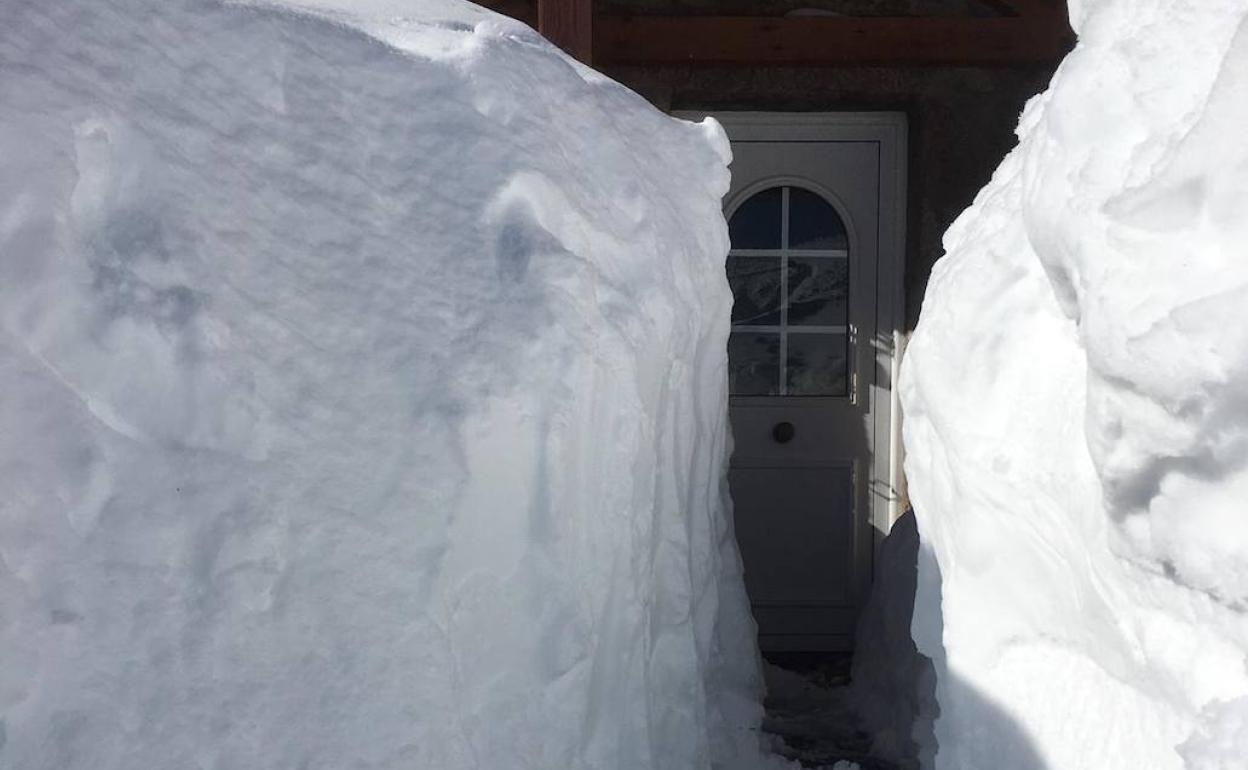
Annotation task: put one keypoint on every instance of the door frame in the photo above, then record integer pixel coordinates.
(890, 131)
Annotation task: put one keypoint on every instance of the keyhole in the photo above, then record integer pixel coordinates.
(783, 432)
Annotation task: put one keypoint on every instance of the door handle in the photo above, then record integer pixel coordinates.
(783, 432)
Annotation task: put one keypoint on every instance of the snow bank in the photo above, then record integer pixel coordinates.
(363, 399)
(1076, 414)
(894, 686)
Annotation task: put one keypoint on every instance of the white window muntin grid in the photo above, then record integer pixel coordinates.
(784, 252)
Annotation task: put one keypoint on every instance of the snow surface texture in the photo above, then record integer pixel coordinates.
(894, 686)
(363, 385)
(1076, 400)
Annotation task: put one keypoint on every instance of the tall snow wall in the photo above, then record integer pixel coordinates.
(1076, 406)
(362, 399)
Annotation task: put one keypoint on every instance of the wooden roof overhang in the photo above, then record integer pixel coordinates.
(1026, 32)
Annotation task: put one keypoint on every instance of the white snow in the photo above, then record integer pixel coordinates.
(363, 403)
(1076, 422)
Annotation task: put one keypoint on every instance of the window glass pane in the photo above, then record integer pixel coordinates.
(817, 365)
(756, 223)
(818, 291)
(813, 223)
(753, 364)
(755, 283)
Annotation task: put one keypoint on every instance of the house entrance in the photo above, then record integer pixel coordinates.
(815, 268)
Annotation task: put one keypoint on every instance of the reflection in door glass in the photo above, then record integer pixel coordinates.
(790, 286)
(813, 223)
(755, 283)
(818, 292)
(816, 365)
(756, 223)
(753, 364)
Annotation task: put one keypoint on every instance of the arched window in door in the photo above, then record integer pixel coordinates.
(789, 271)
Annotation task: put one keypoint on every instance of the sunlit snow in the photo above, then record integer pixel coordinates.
(1076, 422)
(362, 385)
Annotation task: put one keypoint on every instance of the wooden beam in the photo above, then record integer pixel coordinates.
(569, 25)
(1033, 9)
(1036, 31)
(521, 10)
(831, 41)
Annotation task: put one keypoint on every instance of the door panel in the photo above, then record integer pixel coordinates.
(804, 220)
(796, 538)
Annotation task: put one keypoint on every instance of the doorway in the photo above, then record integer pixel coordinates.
(816, 223)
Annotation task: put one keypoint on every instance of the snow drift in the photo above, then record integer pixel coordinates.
(363, 399)
(1076, 414)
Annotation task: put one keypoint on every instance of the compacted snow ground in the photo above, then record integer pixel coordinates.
(812, 714)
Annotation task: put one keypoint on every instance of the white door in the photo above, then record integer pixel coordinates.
(811, 473)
